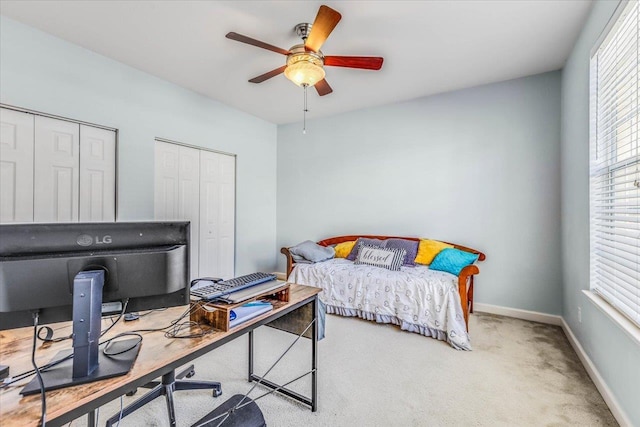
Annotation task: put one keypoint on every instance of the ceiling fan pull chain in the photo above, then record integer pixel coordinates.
(304, 114)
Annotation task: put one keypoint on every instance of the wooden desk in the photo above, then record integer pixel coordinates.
(158, 356)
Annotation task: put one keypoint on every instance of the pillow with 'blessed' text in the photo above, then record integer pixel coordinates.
(363, 241)
(389, 258)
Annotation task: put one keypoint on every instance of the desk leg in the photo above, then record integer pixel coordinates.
(314, 358)
(250, 378)
(91, 419)
(313, 401)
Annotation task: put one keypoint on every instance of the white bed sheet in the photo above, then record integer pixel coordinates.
(415, 298)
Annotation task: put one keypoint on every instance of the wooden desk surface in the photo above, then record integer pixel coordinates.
(157, 355)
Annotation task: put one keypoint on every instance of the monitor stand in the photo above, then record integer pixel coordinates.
(88, 364)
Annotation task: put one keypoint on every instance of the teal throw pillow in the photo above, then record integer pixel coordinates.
(452, 260)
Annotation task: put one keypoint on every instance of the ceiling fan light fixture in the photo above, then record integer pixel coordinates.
(305, 62)
(304, 69)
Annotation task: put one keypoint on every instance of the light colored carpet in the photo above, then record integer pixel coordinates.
(519, 373)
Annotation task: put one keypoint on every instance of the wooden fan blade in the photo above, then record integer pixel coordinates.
(326, 21)
(364, 62)
(253, 42)
(323, 88)
(267, 76)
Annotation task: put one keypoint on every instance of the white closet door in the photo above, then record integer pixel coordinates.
(16, 166)
(166, 181)
(217, 214)
(177, 171)
(56, 163)
(97, 174)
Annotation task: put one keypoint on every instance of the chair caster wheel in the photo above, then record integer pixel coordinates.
(132, 392)
(217, 393)
(191, 373)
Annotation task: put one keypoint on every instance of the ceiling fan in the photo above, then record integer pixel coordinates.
(305, 61)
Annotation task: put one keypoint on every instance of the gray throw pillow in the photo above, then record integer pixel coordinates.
(363, 241)
(312, 251)
(410, 246)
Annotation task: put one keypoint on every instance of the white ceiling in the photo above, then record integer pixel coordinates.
(428, 46)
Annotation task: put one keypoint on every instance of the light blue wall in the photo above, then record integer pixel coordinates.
(479, 167)
(44, 73)
(614, 354)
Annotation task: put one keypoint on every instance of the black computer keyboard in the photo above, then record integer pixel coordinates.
(225, 287)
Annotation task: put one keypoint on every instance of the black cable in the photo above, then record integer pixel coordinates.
(111, 340)
(49, 332)
(151, 311)
(176, 327)
(27, 374)
(173, 323)
(50, 365)
(48, 338)
(49, 335)
(43, 417)
(124, 307)
(15, 378)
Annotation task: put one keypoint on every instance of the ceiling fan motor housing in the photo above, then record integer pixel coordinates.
(300, 53)
(303, 30)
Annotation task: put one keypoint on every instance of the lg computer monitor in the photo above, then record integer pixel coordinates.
(138, 265)
(146, 263)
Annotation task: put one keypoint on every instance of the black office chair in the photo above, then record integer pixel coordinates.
(170, 382)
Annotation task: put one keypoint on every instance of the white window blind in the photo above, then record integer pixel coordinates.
(615, 166)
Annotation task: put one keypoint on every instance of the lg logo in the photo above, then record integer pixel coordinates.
(86, 240)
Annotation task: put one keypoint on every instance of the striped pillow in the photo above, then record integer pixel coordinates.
(389, 258)
(363, 241)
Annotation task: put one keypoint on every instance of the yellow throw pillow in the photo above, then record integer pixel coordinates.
(343, 249)
(428, 249)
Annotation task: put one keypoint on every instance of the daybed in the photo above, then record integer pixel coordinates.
(418, 299)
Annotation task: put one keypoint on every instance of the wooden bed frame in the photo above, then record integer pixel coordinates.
(465, 278)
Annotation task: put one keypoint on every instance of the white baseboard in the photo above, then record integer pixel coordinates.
(533, 316)
(550, 319)
(597, 379)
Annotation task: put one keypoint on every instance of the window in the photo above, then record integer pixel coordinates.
(615, 165)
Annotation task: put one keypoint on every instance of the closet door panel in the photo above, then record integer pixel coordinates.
(16, 166)
(166, 181)
(97, 174)
(56, 162)
(227, 213)
(209, 216)
(217, 214)
(189, 200)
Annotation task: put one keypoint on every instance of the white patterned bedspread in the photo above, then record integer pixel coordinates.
(415, 298)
